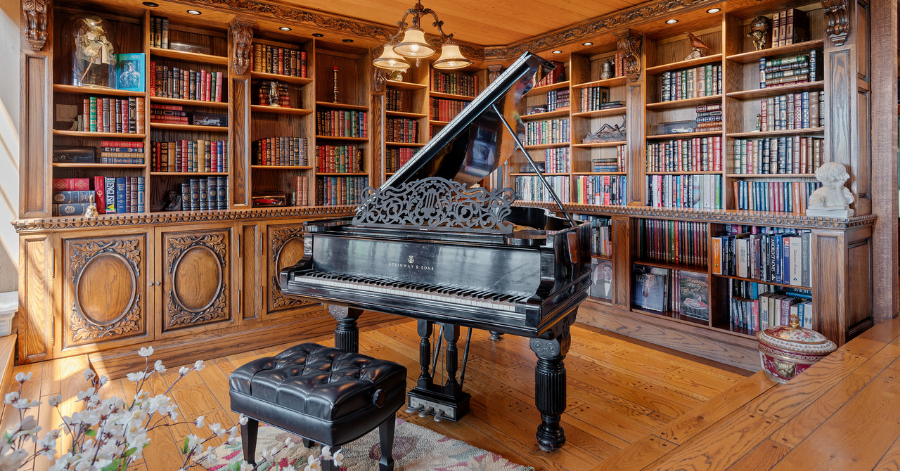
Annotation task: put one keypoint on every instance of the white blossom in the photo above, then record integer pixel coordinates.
(22, 377)
(54, 400)
(89, 374)
(158, 366)
(13, 459)
(183, 371)
(25, 403)
(312, 464)
(243, 419)
(145, 351)
(217, 429)
(199, 422)
(142, 396)
(338, 458)
(246, 467)
(198, 365)
(11, 397)
(192, 442)
(103, 379)
(326, 452)
(135, 377)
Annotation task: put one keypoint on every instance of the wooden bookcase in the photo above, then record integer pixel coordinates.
(413, 104)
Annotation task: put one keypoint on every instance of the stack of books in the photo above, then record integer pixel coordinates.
(758, 306)
(332, 191)
(168, 114)
(551, 131)
(403, 130)
(280, 151)
(338, 159)
(554, 76)
(606, 190)
(774, 196)
(284, 96)
(709, 117)
(778, 155)
(789, 70)
(454, 83)
(698, 154)
(601, 233)
(609, 163)
(393, 99)
(189, 156)
(204, 194)
(676, 242)
(396, 157)
(684, 191)
(557, 160)
(702, 81)
(789, 27)
(120, 115)
(792, 111)
(531, 189)
(122, 152)
(186, 84)
(342, 123)
(445, 110)
(278, 60)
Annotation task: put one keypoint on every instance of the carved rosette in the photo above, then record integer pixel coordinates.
(837, 21)
(178, 313)
(242, 44)
(126, 252)
(36, 22)
(280, 237)
(629, 45)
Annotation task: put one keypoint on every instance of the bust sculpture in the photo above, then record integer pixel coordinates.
(833, 199)
(173, 201)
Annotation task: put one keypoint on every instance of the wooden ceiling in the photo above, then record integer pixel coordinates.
(486, 23)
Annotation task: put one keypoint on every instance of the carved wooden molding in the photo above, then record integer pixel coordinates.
(242, 44)
(280, 237)
(180, 315)
(837, 21)
(629, 45)
(36, 22)
(494, 71)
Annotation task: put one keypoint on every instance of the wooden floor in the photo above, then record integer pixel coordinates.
(619, 392)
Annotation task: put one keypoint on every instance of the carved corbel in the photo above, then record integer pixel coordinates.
(242, 44)
(379, 81)
(837, 21)
(629, 45)
(36, 22)
(494, 71)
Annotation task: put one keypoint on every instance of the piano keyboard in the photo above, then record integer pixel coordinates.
(453, 295)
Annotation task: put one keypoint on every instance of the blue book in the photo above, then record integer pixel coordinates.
(110, 192)
(204, 194)
(786, 260)
(185, 196)
(130, 72)
(222, 193)
(121, 195)
(212, 189)
(779, 250)
(140, 194)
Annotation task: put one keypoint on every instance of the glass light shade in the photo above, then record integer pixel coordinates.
(390, 60)
(414, 44)
(451, 58)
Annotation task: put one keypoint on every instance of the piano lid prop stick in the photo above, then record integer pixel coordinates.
(462, 374)
(533, 165)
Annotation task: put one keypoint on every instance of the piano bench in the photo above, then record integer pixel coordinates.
(324, 395)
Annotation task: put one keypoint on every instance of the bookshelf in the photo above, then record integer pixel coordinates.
(407, 112)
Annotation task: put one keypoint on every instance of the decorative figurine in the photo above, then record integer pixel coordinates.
(607, 133)
(759, 121)
(395, 75)
(94, 63)
(91, 211)
(833, 199)
(609, 70)
(335, 84)
(759, 29)
(273, 95)
(697, 44)
(173, 201)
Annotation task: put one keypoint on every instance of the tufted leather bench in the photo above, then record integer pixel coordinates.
(325, 395)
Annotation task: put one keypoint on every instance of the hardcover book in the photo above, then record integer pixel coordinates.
(130, 72)
(693, 295)
(650, 287)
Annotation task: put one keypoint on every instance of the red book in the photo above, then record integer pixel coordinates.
(100, 194)
(152, 78)
(219, 86)
(71, 184)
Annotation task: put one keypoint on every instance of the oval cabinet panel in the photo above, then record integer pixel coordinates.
(197, 278)
(105, 293)
(285, 243)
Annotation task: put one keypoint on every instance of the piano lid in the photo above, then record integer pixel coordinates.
(475, 143)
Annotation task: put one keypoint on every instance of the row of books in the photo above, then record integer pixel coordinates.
(606, 163)
(597, 98)
(601, 233)
(800, 68)
(333, 191)
(770, 254)
(670, 290)
(676, 242)
(777, 196)
(110, 195)
(684, 191)
(339, 159)
(454, 83)
(558, 100)
(279, 60)
(757, 306)
(280, 151)
(168, 114)
(299, 191)
(396, 157)
(556, 75)
(189, 156)
(121, 152)
(393, 99)
(698, 154)
(342, 123)
(792, 111)
(159, 32)
(551, 131)
(443, 109)
(204, 194)
(557, 160)
(789, 27)
(607, 190)
(264, 97)
(121, 115)
(709, 117)
(530, 188)
(403, 130)
(778, 155)
(705, 80)
(186, 84)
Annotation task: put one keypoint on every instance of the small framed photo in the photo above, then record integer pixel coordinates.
(130, 74)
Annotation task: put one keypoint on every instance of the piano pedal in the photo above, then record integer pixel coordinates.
(412, 409)
(426, 412)
(437, 416)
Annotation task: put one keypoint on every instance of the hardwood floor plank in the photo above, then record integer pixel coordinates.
(856, 436)
(49, 372)
(884, 332)
(764, 456)
(638, 455)
(891, 459)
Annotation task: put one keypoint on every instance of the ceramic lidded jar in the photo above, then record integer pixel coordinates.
(787, 350)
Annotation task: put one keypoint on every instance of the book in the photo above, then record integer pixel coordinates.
(693, 294)
(650, 288)
(601, 279)
(130, 73)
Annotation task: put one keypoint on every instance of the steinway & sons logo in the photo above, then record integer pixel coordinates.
(411, 264)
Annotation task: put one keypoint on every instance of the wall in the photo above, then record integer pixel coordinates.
(10, 17)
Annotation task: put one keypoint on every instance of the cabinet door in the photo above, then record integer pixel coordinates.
(285, 248)
(196, 278)
(106, 290)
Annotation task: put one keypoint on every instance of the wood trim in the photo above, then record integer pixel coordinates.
(36, 314)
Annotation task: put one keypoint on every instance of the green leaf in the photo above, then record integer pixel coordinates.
(129, 452)
(184, 449)
(114, 466)
(91, 433)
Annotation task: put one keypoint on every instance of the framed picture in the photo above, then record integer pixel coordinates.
(601, 279)
(130, 73)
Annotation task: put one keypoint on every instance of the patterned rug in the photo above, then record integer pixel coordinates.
(415, 448)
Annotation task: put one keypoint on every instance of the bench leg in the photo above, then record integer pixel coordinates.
(386, 435)
(308, 443)
(248, 439)
(328, 465)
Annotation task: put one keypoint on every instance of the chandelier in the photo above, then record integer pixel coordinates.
(414, 46)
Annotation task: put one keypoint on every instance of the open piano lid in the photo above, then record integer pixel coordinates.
(475, 142)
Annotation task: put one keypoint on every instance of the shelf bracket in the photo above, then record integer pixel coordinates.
(629, 45)
(242, 44)
(35, 23)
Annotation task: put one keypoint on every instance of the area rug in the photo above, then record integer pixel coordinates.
(415, 448)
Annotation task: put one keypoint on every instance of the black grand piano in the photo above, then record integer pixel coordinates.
(432, 245)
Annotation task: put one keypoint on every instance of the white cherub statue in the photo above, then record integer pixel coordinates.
(833, 199)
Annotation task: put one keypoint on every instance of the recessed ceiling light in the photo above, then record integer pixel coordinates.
(587, 44)
(671, 22)
(347, 40)
(193, 12)
(285, 28)
(714, 10)
(151, 4)
(557, 52)
(318, 35)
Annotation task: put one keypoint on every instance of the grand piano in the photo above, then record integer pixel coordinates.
(431, 244)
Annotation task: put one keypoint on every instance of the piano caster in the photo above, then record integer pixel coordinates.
(495, 335)
(426, 412)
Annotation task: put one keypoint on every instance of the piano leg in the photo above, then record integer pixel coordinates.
(346, 334)
(451, 336)
(550, 383)
(495, 335)
(425, 329)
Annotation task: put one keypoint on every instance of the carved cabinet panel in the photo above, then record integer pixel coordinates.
(195, 271)
(284, 248)
(106, 287)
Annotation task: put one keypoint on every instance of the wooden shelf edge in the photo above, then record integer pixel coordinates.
(779, 90)
(685, 135)
(610, 82)
(344, 138)
(188, 56)
(545, 115)
(765, 134)
(599, 113)
(189, 127)
(685, 103)
(342, 106)
(783, 285)
(114, 135)
(753, 56)
(451, 96)
(280, 78)
(185, 102)
(548, 88)
(710, 59)
(61, 88)
(672, 266)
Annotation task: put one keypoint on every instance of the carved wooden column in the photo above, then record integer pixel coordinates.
(346, 334)
(36, 107)
(621, 228)
(376, 140)
(630, 46)
(240, 46)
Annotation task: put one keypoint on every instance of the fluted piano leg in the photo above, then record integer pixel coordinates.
(346, 334)
(550, 386)
(425, 329)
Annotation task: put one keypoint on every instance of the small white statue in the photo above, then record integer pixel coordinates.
(833, 199)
